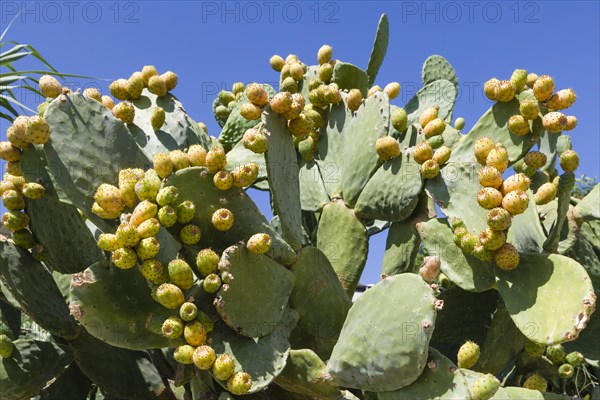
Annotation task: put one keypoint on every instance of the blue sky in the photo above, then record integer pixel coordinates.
(212, 44)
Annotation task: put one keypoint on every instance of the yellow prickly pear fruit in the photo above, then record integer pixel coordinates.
(49, 86)
(170, 79)
(124, 111)
(148, 72)
(545, 193)
(157, 86)
(562, 99)
(373, 90)
(518, 125)
(136, 85)
(531, 78)
(490, 89)
(93, 93)
(257, 95)
(392, 89)
(505, 91)
(196, 155)
(543, 87)
(387, 147)
(554, 122)
(277, 62)
(162, 164)
(468, 354)
(422, 152)
(515, 182)
(107, 102)
(120, 89)
(497, 158)
(428, 115)
(324, 54)
(529, 109)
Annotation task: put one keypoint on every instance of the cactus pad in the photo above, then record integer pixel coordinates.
(380, 46)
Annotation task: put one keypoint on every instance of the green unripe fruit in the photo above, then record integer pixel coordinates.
(489, 197)
(148, 248)
(41, 108)
(387, 147)
(468, 354)
(556, 354)
(531, 78)
(189, 234)
(575, 358)
(422, 152)
(237, 87)
(225, 97)
(6, 346)
(534, 349)
(170, 79)
(124, 111)
(157, 86)
(499, 219)
(518, 125)
(181, 274)
(13, 200)
(546, 193)
(223, 180)
(136, 85)
(119, 89)
(289, 85)
(207, 262)
(15, 220)
(434, 127)
(23, 238)
(332, 94)
(442, 155)
(529, 109)
(172, 328)
(167, 195)
(490, 177)
(222, 112)
(497, 158)
(430, 169)
(216, 160)
(124, 258)
(154, 271)
(170, 296)
(325, 72)
(255, 141)
(108, 242)
(554, 122)
(167, 216)
(436, 141)
(205, 320)
(204, 357)
(482, 148)
(314, 116)
(49, 86)
(157, 119)
(569, 160)
(399, 119)
(184, 354)
(188, 311)
(507, 257)
(223, 367)
(566, 371)
(468, 241)
(33, 190)
(186, 212)
(300, 126)
(239, 383)
(543, 87)
(324, 54)
(482, 254)
(492, 240)
(485, 387)
(306, 148)
(277, 62)
(194, 333)
(392, 89)
(211, 283)
(519, 79)
(259, 243)
(459, 123)
(535, 382)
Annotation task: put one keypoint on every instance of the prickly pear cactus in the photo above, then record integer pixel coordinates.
(142, 264)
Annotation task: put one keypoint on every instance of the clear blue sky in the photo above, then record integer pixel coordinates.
(213, 44)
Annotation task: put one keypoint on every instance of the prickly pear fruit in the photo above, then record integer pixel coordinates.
(459, 123)
(172, 328)
(518, 125)
(566, 371)
(482, 254)
(531, 78)
(554, 122)
(306, 148)
(239, 383)
(179, 159)
(515, 202)
(430, 169)
(354, 100)
(569, 160)
(387, 147)
(562, 99)
(124, 258)
(223, 367)
(207, 262)
(468, 243)
(108, 242)
(23, 238)
(194, 333)
(543, 87)
(157, 119)
(499, 219)
(197, 155)
(167, 216)
(482, 148)
(422, 152)
(107, 102)
(468, 354)
(148, 248)
(245, 175)
(188, 311)
(288, 85)
(259, 243)
(124, 111)
(109, 198)
(489, 198)
(136, 85)
(430, 269)
(255, 141)
(301, 125)
(434, 127)
(392, 89)
(556, 354)
(297, 71)
(13, 200)
(143, 212)
(535, 159)
(170, 79)
(49, 86)
(154, 271)
(157, 86)
(497, 158)
(515, 182)
(324, 54)
(167, 195)
(435, 141)
(211, 283)
(102, 213)
(120, 89)
(257, 95)
(575, 359)
(237, 87)
(223, 180)
(428, 115)
(127, 180)
(505, 91)
(485, 387)
(507, 257)
(204, 357)
(37, 130)
(519, 79)
(9, 152)
(535, 382)
(216, 160)
(490, 89)
(189, 234)
(277, 62)
(33, 190)
(325, 72)
(13, 168)
(169, 295)
(490, 177)
(181, 274)
(492, 240)
(529, 109)
(442, 155)
(186, 212)
(6, 346)
(281, 102)
(222, 112)
(545, 193)
(184, 354)
(534, 349)
(571, 123)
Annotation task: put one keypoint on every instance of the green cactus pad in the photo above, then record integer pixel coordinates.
(543, 287)
(372, 121)
(236, 125)
(119, 372)
(306, 374)
(519, 393)
(441, 93)
(587, 209)
(313, 195)
(282, 169)
(32, 364)
(263, 358)
(178, 131)
(239, 155)
(440, 380)
(582, 250)
(383, 344)
(464, 270)
(56, 225)
(35, 169)
(343, 239)
(330, 148)
(71, 384)
(252, 313)
(10, 319)
(526, 232)
(563, 198)
(196, 184)
(320, 300)
(348, 76)
(392, 192)
(380, 46)
(33, 287)
(547, 143)
(88, 147)
(437, 67)
(116, 306)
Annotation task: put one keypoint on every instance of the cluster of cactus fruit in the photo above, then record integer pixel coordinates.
(136, 247)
